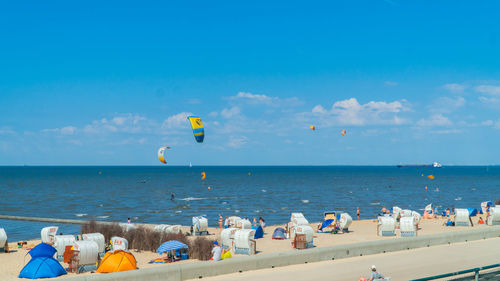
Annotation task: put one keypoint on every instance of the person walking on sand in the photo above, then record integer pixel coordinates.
(374, 276)
(357, 212)
(220, 221)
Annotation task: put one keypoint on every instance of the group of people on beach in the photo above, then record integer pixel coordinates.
(224, 223)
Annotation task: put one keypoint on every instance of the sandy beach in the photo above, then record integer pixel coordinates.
(360, 231)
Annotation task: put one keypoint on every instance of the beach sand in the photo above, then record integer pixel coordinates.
(360, 231)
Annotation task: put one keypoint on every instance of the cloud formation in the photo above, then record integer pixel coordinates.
(447, 104)
(255, 99)
(434, 120)
(351, 112)
(455, 88)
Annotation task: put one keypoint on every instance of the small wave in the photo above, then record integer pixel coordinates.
(224, 203)
(263, 190)
(100, 205)
(236, 211)
(193, 198)
(178, 211)
(102, 217)
(257, 211)
(284, 208)
(473, 188)
(458, 198)
(375, 203)
(228, 208)
(80, 215)
(305, 201)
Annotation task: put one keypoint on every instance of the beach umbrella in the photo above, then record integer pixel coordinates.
(472, 212)
(171, 245)
(327, 223)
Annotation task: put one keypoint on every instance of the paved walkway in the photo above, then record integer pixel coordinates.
(403, 265)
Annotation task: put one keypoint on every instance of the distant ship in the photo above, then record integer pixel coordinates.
(433, 165)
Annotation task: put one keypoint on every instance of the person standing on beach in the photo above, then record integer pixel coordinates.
(220, 221)
(226, 222)
(262, 222)
(357, 212)
(128, 220)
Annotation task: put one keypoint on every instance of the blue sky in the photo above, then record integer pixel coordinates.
(109, 83)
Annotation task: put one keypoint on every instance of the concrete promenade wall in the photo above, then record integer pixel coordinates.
(195, 270)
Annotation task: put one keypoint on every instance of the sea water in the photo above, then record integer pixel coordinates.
(144, 193)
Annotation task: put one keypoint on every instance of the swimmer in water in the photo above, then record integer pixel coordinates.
(172, 196)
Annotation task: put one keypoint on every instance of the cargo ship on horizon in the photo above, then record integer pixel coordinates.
(433, 165)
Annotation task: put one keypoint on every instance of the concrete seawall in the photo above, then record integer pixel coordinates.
(195, 270)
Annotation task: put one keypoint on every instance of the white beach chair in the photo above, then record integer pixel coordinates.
(244, 224)
(119, 243)
(227, 237)
(303, 229)
(60, 243)
(99, 239)
(396, 212)
(387, 226)
(405, 213)
(3, 239)
(494, 218)
(417, 217)
(48, 234)
(88, 253)
(200, 226)
(408, 227)
(244, 242)
(462, 217)
(345, 222)
(233, 220)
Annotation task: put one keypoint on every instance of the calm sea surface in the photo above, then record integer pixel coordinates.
(143, 193)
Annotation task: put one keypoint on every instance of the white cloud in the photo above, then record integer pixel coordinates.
(6, 131)
(455, 88)
(351, 112)
(232, 112)
(435, 120)
(487, 123)
(447, 104)
(68, 130)
(391, 83)
(497, 124)
(488, 90)
(319, 109)
(448, 131)
(176, 121)
(254, 98)
(237, 142)
(267, 100)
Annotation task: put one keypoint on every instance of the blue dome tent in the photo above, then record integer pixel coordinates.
(279, 233)
(42, 263)
(42, 250)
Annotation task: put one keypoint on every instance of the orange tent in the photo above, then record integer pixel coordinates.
(117, 261)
